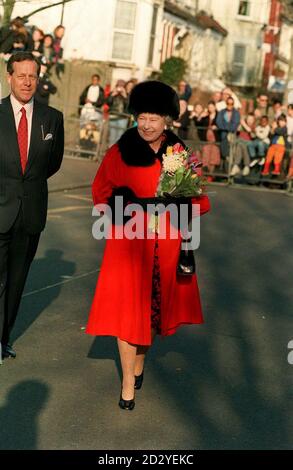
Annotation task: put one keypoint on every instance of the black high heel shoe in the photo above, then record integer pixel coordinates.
(126, 404)
(138, 381)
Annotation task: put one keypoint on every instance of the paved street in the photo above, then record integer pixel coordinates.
(226, 384)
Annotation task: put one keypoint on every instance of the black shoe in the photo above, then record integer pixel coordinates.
(138, 381)
(126, 404)
(7, 351)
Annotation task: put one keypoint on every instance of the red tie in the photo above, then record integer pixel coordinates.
(22, 137)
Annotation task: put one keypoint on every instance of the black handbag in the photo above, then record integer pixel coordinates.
(186, 262)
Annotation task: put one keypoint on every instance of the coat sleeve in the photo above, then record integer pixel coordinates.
(101, 99)
(204, 204)
(58, 147)
(106, 178)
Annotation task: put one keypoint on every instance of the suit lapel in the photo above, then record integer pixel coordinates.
(36, 135)
(10, 131)
(36, 132)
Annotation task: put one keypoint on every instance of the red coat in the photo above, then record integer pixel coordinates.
(122, 302)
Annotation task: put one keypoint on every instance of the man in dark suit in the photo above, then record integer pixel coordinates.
(31, 150)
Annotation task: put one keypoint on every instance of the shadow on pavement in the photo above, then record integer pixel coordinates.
(228, 382)
(105, 347)
(47, 271)
(20, 415)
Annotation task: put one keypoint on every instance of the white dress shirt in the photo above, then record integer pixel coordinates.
(29, 107)
(93, 93)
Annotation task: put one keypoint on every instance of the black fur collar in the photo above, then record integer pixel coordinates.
(136, 152)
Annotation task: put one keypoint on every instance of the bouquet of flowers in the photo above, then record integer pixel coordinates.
(181, 175)
(180, 178)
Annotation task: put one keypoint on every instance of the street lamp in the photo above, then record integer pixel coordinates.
(62, 13)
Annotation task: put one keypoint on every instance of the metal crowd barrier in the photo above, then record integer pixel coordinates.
(89, 131)
(222, 172)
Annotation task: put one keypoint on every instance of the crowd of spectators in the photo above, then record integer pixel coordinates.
(95, 101)
(257, 142)
(229, 139)
(19, 36)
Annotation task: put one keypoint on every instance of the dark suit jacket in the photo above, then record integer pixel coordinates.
(44, 159)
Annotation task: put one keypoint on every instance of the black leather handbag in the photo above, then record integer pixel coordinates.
(186, 262)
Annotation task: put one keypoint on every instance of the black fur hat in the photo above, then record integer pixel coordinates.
(154, 97)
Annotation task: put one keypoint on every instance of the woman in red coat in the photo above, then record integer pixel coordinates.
(138, 294)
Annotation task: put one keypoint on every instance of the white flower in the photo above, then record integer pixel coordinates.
(172, 163)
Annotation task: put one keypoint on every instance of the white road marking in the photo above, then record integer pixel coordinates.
(67, 209)
(73, 278)
(81, 198)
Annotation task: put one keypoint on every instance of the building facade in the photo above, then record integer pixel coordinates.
(245, 21)
(277, 40)
(259, 41)
(243, 43)
(196, 38)
(122, 33)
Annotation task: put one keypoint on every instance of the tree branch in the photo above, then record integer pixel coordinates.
(46, 7)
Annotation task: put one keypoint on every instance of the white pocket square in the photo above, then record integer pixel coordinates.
(49, 137)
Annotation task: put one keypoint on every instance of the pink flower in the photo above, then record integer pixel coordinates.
(198, 171)
(193, 158)
(178, 148)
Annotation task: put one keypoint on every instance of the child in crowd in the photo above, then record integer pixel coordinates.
(244, 137)
(278, 146)
(257, 148)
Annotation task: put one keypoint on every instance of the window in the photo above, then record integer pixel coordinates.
(238, 65)
(153, 34)
(124, 27)
(244, 8)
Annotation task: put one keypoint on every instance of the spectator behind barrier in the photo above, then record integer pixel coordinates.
(45, 87)
(48, 51)
(184, 91)
(211, 156)
(118, 103)
(58, 35)
(275, 110)
(257, 148)
(262, 105)
(244, 137)
(93, 93)
(15, 37)
(38, 43)
(277, 149)
(183, 122)
(225, 94)
(227, 121)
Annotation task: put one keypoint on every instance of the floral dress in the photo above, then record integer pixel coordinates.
(156, 291)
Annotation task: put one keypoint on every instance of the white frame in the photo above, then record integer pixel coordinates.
(244, 17)
(242, 80)
(124, 31)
